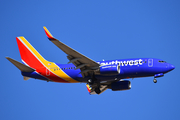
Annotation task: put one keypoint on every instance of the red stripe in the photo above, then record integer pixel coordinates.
(33, 62)
(49, 36)
(88, 89)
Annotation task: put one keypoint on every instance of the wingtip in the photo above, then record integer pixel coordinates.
(7, 58)
(48, 34)
(88, 88)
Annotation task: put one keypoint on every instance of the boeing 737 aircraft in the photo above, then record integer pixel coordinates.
(99, 76)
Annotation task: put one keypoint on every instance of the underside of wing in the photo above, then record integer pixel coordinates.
(93, 89)
(117, 85)
(85, 64)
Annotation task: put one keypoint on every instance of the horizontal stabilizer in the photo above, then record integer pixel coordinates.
(20, 66)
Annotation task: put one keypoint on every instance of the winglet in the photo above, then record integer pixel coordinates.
(48, 34)
(88, 88)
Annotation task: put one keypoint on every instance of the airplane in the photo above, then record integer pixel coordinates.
(98, 75)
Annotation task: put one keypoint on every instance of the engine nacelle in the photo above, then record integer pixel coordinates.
(109, 70)
(121, 85)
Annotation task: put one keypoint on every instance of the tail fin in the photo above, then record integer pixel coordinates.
(29, 55)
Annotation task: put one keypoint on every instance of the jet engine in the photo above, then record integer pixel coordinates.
(109, 70)
(121, 85)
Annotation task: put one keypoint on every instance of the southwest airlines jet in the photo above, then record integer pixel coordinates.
(99, 75)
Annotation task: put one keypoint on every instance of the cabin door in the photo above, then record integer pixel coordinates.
(150, 62)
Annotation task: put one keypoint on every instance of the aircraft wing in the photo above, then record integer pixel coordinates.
(85, 64)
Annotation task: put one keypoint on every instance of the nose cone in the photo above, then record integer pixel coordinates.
(171, 67)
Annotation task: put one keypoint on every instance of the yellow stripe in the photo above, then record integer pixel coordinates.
(48, 64)
(88, 86)
(58, 71)
(47, 31)
(33, 50)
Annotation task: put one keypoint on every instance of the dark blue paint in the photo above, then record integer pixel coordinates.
(33, 75)
(129, 68)
(120, 85)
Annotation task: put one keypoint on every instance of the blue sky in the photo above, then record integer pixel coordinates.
(100, 30)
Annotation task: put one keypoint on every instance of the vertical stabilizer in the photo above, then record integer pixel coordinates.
(29, 54)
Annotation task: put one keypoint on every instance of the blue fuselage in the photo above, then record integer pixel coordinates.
(129, 68)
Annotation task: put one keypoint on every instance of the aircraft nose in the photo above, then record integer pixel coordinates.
(171, 67)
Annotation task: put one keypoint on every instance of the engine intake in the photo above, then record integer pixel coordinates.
(121, 85)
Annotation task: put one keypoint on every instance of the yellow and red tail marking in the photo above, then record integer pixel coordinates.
(33, 59)
(49, 35)
(88, 88)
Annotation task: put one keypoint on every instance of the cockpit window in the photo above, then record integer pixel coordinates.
(161, 61)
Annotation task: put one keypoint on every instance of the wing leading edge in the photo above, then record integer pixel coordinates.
(85, 64)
